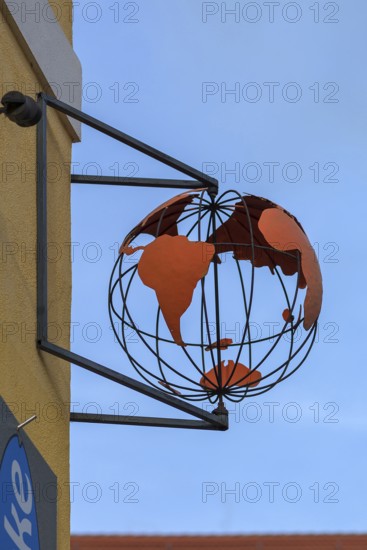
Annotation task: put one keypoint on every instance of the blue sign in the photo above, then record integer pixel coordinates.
(18, 517)
(28, 490)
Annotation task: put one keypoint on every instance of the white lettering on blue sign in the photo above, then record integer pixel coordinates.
(18, 518)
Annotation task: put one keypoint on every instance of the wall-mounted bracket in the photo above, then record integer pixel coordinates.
(218, 419)
(21, 109)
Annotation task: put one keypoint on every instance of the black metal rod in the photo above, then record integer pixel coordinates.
(141, 421)
(136, 182)
(220, 422)
(217, 314)
(210, 183)
(42, 286)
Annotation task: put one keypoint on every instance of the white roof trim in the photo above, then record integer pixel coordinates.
(49, 50)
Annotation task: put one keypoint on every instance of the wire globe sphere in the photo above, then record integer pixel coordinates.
(248, 325)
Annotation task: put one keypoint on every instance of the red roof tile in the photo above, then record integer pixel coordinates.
(255, 542)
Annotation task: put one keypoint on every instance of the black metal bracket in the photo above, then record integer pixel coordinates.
(218, 419)
(21, 109)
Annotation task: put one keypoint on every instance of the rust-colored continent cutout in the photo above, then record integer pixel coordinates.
(210, 380)
(283, 233)
(163, 219)
(235, 235)
(172, 266)
(274, 231)
(288, 318)
(223, 344)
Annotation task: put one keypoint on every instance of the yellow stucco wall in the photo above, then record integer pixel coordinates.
(64, 15)
(32, 381)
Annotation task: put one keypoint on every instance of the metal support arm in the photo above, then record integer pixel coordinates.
(208, 182)
(145, 421)
(208, 420)
(217, 420)
(136, 182)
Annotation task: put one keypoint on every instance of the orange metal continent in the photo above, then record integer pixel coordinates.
(287, 316)
(235, 235)
(283, 233)
(163, 219)
(223, 344)
(274, 231)
(242, 376)
(172, 266)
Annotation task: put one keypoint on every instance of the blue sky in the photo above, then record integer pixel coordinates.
(223, 93)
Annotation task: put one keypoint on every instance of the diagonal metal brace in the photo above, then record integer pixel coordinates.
(208, 421)
(208, 181)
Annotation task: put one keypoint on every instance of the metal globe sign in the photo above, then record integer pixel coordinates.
(197, 282)
(211, 297)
